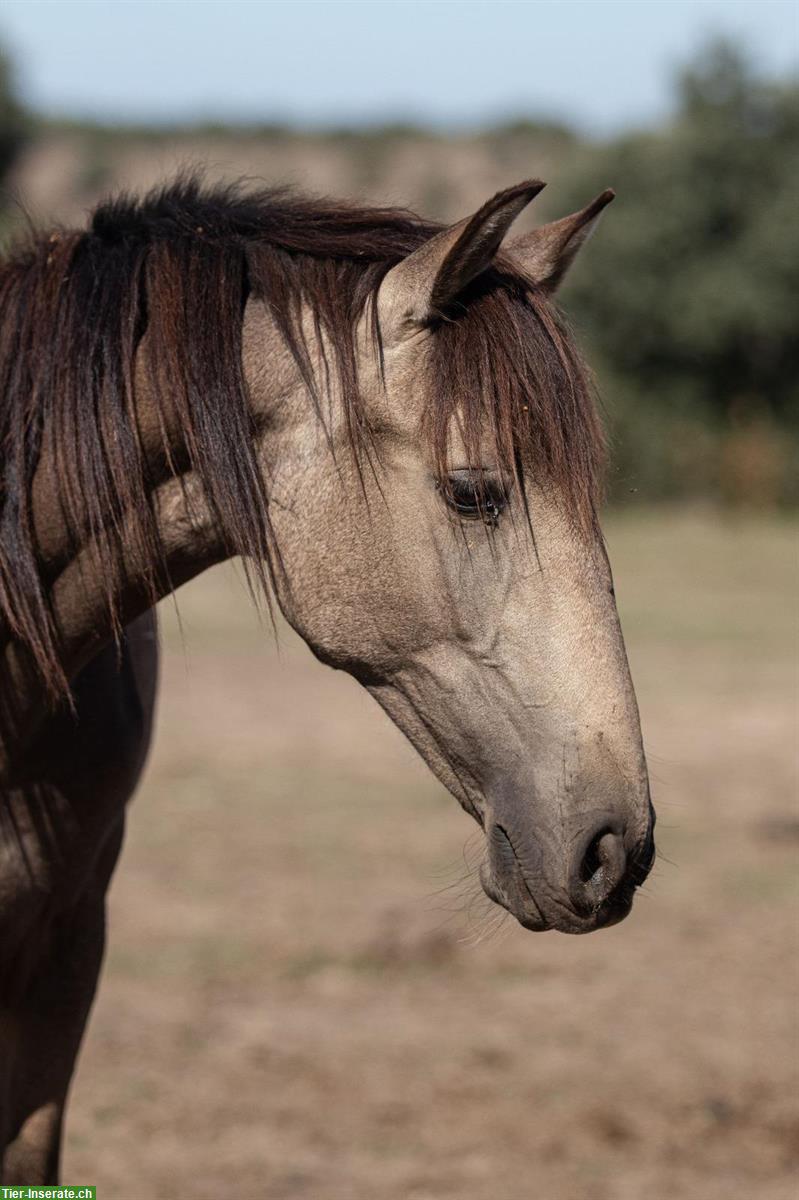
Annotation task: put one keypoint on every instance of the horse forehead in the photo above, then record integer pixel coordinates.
(401, 386)
(403, 400)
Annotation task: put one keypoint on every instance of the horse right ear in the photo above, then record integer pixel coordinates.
(425, 284)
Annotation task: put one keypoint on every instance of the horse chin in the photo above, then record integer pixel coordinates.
(526, 912)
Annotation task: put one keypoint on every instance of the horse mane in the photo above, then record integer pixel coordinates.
(180, 264)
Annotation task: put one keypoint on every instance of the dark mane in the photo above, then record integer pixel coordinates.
(180, 265)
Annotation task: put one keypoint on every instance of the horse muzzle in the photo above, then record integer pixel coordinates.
(576, 889)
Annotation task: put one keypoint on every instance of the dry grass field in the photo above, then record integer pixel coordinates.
(305, 997)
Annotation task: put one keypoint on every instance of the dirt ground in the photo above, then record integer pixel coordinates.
(306, 998)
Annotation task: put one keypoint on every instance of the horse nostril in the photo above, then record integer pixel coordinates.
(601, 869)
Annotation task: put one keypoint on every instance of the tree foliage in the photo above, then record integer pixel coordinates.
(689, 292)
(13, 126)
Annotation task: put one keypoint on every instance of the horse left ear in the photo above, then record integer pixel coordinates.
(547, 253)
(423, 286)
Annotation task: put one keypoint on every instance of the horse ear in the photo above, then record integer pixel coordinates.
(426, 283)
(547, 253)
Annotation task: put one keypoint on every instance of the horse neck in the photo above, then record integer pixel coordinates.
(187, 534)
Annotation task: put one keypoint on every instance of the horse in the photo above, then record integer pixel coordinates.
(388, 421)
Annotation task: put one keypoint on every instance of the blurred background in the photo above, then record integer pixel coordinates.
(305, 995)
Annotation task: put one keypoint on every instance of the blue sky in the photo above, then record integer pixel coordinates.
(603, 64)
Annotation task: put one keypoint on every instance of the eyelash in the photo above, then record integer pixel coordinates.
(474, 497)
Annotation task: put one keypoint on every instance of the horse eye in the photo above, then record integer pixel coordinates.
(475, 496)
